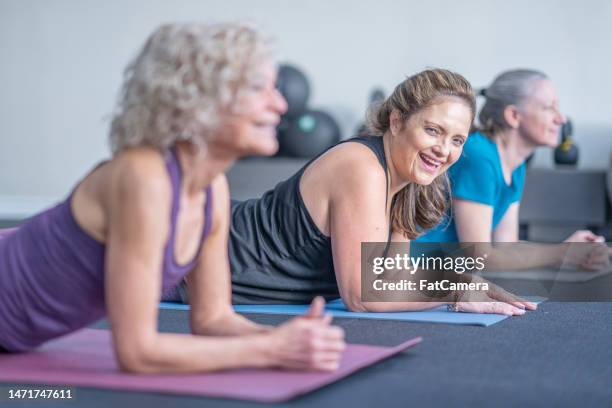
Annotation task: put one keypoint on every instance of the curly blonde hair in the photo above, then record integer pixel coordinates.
(183, 77)
(417, 208)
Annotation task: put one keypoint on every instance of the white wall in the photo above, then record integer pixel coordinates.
(61, 64)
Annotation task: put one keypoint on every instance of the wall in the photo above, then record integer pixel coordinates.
(61, 65)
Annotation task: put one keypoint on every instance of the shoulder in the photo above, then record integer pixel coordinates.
(347, 174)
(479, 155)
(355, 172)
(352, 157)
(139, 175)
(356, 165)
(479, 146)
(141, 169)
(343, 163)
(137, 198)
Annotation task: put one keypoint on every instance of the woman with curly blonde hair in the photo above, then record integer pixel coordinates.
(195, 99)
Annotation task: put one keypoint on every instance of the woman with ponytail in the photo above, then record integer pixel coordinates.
(520, 113)
(303, 238)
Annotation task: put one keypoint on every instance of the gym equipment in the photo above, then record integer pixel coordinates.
(567, 152)
(85, 358)
(302, 132)
(309, 134)
(337, 309)
(293, 85)
(376, 95)
(281, 133)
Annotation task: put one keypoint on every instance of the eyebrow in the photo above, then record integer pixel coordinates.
(443, 129)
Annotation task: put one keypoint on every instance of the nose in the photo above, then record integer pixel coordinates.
(441, 149)
(278, 102)
(560, 118)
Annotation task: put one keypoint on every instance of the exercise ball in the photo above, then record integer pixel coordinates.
(567, 152)
(309, 134)
(281, 130)
(294, 86)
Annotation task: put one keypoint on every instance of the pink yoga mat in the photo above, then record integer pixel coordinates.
(6, 231)
(85, 358)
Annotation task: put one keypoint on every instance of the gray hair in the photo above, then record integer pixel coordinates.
(180, 81)
(509, 88)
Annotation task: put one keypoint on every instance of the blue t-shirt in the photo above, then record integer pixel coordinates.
(477, 176)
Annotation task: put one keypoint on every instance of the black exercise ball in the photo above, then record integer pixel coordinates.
(281, 131)
(309, 134)
(294, 86)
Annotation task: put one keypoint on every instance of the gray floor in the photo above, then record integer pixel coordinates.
(559, 355)
(9, 223)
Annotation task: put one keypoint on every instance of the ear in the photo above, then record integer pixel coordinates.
(395, 122)
(512, 116)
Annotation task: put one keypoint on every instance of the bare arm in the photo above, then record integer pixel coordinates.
(137, 232)
(209, 283)
(474, 221)
(357, 214)
(507, 230)
(135, 246)
(474, 225)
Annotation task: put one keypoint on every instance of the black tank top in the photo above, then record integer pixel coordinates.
(277, 253)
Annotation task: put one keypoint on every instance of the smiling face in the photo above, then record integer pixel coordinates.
(430, 141)
(540, 118)
(249, 127)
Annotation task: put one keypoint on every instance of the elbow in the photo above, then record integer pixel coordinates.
(133, 363)
(206, 329)
(354, 303)
(210, 324)
(134, 358)
(202, 327)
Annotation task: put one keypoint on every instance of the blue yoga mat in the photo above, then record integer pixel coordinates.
(337, 309)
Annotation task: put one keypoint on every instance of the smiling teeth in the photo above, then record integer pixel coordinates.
(430, 161)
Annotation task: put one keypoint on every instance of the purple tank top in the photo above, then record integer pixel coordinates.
(52, 272)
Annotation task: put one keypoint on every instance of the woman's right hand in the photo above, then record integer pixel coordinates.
(587, 251)
(584, 236)
(495, 300)
(308, 342)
